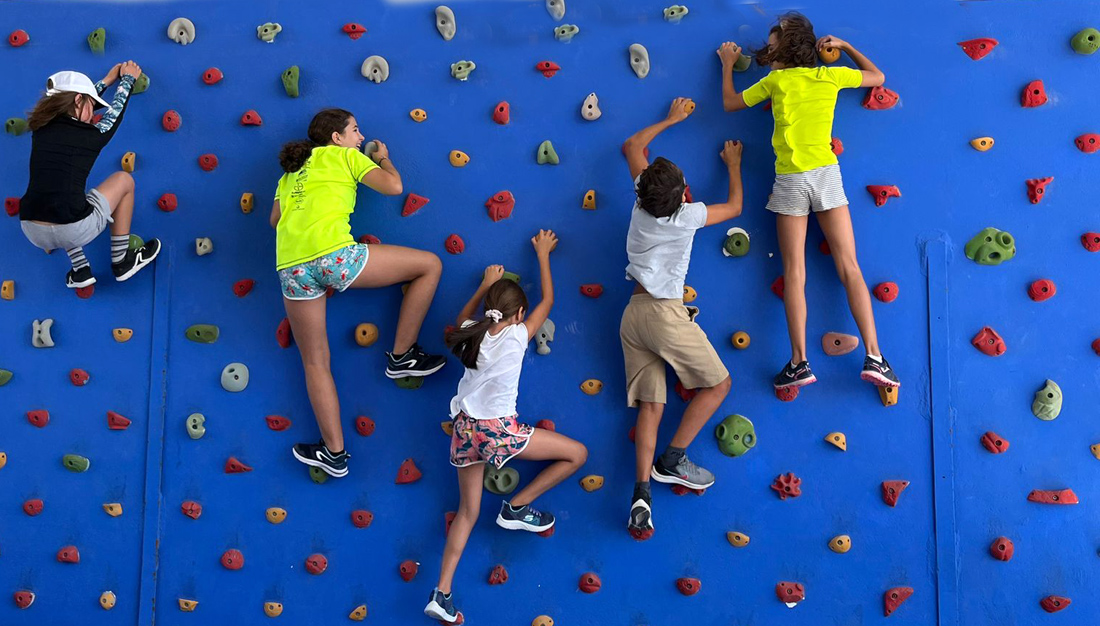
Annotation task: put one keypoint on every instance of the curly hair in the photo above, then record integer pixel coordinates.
(661, 188)
(795, 46)
(293, 155)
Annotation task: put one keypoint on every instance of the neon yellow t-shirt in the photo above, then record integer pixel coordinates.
(316, 203)
(803, 100)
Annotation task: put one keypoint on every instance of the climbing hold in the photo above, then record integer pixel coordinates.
(590, 108)
(556, 9)
(544, 336)
(18, 38)
(85, 292)
(500, 205)
(233, 466)
(462, 69)
(181, 30)
(837, 146)
(232, 559)
(247, 201)
(1053, 604)
(1036, 188)
(235, 377)
(407, 473)
(375, 69)
(995, 443)
(788, 486)
(589, 201)
(167, 202)
(737, 242)
(364, 426)
(202, 333)
(1048, 401)
(991, 247)
(501, 481)
(409, 382)
(1034, 94)
(639, 59)
(23, 599)
(171, 121)
(891, 491)
(277, 422)
(981, 144)
(3, 459)
(5, 375)
(740, 340)
(566, 32)
(510, 276)
(880, 98)
(1002, 549)
(212, 76)
(208, 162)
(191, 509)
(413, 203)
(790, 593)
(685, 394)
(1088, 143)
(78, 377)
(546, 424)
(592, 290)
(369, 239)
(251, 118)
(548, 68)
(591, 386)
(359, 613)
(290, 80)
(128, 161)
(38, 418)
(418, 115)
(883, 192)
(886, 292)
(589, 583)
(15, 126)
(275, 515)
(828, 54)
(135, 243)
(1095, 348)
(97, 39)
(502, 113)
(284, 336)
(33, 507)
(1091, 242)
(1042, 289)
(838, 440)
(837, 344)
(75, 463)
(675, 13)
(114, 509)
(445, 22)
(978, 48)
(454, 244)
(786, 394)
(777, 287)
(11, 206)
(1086, 41)
(688, 586)
(366, 334)
(592, 482)
(107, 600)
(187, 606)
(736, 435)
(40, 333)
(141, 85)
(737, 540)
(498, 575)
(273, 609)
(458, 158)
(840, 544)
(893, 598)
(316, 564)
(546, 154)
(266, 32)
(361, 518)
(888, 395)
(1059, 496)
(1094, 448)
(353, 30)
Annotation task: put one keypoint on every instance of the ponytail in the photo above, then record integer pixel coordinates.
(503, 300)
(294, 154)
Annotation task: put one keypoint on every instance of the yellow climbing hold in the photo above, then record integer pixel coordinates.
(273, 609)
(888, 395)
(838, 440)
(542, 620)
(1094, 447)
(840, 544)
(459, 158)
(276, 515)
(122, 335)
(981, 144)
(689, 106)
(740, 340)
(418, 115)
(592, 482)
(187, 605)
(246, 202)
(129, 161)
(689, 294)
(358, 614)
(7, 290)
(366, 334)
(591, 386)
(589, 201)
(114, 509)
(737, 540)
(3, 459)
(107, 600)
(448, 427)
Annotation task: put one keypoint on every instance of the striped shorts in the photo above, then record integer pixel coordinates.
(796, 194)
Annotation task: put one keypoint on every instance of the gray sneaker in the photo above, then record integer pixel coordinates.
(526, 518)
(685, 473)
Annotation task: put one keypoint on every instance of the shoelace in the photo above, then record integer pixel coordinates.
(687, 465)
(533, 512)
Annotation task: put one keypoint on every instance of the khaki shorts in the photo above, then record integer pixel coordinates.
(655, 332)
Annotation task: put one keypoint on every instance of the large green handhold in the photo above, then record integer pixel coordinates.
(290, 80)
(501, 481)
(991, 247)
(1048, 401)
(318, 475)
(546, 154)
(736, 435)
(97, 39)
(75, 463)
(1086, 42)
(202, 333)
(15, 126)
(409, 382)
(737, 242)
(5, 376)
(141, 85)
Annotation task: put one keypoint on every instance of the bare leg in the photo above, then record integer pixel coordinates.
(837, 226)
(389, 265)
(307, 321)
(119, 191)
(701, 408)
(792, 247)
(645, 438)
(568, 456)
(470, 484)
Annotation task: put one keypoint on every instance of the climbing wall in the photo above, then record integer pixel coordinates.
(187, 506)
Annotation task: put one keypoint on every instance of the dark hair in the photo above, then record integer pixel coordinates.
(795, 45)
(661, 188)
(294, 154)
(504, 296)
(49, 107)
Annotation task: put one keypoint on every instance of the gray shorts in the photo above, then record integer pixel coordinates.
(66, 236)
(796, 194)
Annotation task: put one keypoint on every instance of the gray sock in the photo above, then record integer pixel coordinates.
(672, 456)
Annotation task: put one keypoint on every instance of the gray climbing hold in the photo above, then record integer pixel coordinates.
(266, 32)
(737, 242)
(566, 32)
(743, 63)
(547, 155)
(590, 109)
(462, 69)
(235, 377)
(544, 337)
(370, 148)
(202, 333)
(445, 22)
(203, 246)
(97, 39)
(639, 60)
(290, 80)
(196, 427)
(5, 376)
(675, 13)
(556, 9)
(375, 69)
(141, 85)
(1048, 401)
(501, 481)
(40, 333)
(181, 30)
(75, 463)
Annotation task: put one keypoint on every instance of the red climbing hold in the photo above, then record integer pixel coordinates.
(1058, 496)
(879, 98)
(355, 31)
(989, 342)
(1042, 289)
(408, 570)
(549, 532)
(837, 146)
(212, 76)
(116, 421)
(23, 599)
(891, 490)
(592, 290)
(886, 292)
(777, 287)
(85, 292)
(590, 582)
(640, 534)
(208, 162)
(685, 394)
(498, 576)
(316, 564)
(688, 586)
(790, 593)
(39, 418)
(78, 377)
(283, 334)
(369, 239)
(407, 473)
(1036, 188)
(448, 519)
(546, 425)
(233, 466)
(1096, 346)
(978, 48)
(548, 68)
(171, 121)
(500, 205)
(1091, 241)
(361, 518)
(33, 507)
(413, 203)
(882, 192)
(893, 598)
(788, 486)
(1002, 549)
(1034, 94)
(11, 206)
(681, 490)
(167, 202)
(251, 118)
(18, 37)
(502, 114)
(232, 559)
(786, 394)
(454, 244)
(277, 422)
(630, 434)
(995, 443)
(243, 286)
(687, 192)
(1088, 143)
(191, 509)
(364, 425)
(1053, 604)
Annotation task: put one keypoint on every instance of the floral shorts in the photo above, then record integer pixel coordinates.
(493, 441)
(310, 280)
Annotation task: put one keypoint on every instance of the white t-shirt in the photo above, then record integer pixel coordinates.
(490, 391)
(659, 248)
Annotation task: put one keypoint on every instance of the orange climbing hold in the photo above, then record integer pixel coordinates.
(880, 98)
(413, 203)
(893, 598)
(891, 491)
(978, 48)
(590, 582)
(68, 554)
(592, 290)
(1002, 549)
(361, 518)
(995, 443)
(1036, 188)
(407, 473)
(548, 68)
(881, 193)
(500, 205)
(1057, 496)
(277, 422)
(353, 30)
(7, 290)
(116, 421)
(233, 466)
(1035, 94)
(251, 118)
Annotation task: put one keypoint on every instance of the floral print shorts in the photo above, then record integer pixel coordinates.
(310, 280)
(493, 441)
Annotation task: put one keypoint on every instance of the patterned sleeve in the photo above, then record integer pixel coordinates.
(111, 116)
(100, 87)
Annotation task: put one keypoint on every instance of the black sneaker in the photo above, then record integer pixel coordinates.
(441, 607)
(641, 519)
(82, 277)
(415, 362)
(526, 518)
(879, 373)
(135, 260)
(794, 376)
(318, 455)
(685, 473)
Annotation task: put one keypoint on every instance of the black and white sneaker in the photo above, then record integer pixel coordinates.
(794, 375)
(641, 519)
(318, 455)
(82, 277)
(135, 260)
(879, 372)
(523, 518)
(441, 607)
(415, 362)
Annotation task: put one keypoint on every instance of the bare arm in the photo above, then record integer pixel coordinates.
(385, 179)
(732, 100)
(731, 208)
(544, 243)
(634, 147)
(872, 76)
(276, 213)
(492, 275)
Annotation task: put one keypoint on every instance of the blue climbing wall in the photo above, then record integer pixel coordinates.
(936, 540)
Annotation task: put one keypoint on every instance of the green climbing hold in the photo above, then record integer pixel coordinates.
(290, 80)
(547, 155)
(15, 126)
(737, 242)
(136, 242)
(318, 475)
(675, 13)
(510, 276)
(743, 63)
(196, 425)
(75, 463)
(1086, 42)
(1048, 401)
(266, 32)
(5, 376)
(566, 32)
(991, 247)
(97, 39)
(736, 435)
(141, 85)
(462, 69)
(501, 481)
(409, 382)
(202, 333)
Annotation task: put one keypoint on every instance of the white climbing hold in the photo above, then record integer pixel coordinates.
(445, 22)
(566, 32)
(375, 69)
(639, 60)
(544, 337)
(590, 110)
(40, 333)
(556, 9)
(203, 246)
(181, 31)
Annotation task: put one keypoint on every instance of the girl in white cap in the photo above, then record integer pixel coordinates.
(57, 211)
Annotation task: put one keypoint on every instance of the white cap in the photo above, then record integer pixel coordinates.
(74, 82)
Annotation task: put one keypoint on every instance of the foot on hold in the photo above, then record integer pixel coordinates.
(415, 362)
(82, 277)
(641, 518)
(441, 607)
(794, 376)
(524, 518)
(135, 260)
(879, 372)
(318, 455)
(683, 473)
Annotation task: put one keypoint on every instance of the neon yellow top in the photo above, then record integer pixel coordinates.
(803, 99)
(316, 203)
